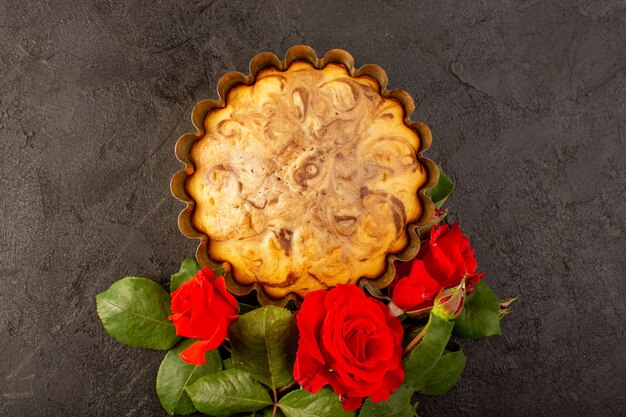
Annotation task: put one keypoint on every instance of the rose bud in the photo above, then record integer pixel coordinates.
(203, 308)
(504, 306)
(449, 303)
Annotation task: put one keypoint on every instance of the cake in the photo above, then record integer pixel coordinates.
(306, 177)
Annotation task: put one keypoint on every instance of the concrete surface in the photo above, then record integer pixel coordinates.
(527, 104)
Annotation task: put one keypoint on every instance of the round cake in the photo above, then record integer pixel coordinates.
(306, 179)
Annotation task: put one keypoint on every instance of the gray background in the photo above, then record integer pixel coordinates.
(527, 104)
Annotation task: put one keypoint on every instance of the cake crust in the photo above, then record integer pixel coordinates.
(306, 178)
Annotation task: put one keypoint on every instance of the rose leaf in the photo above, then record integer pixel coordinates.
(480, 316)
(398, 405)
(175, 375)
(428, 351)
(264, 343)
(301, 403)
(443, 376)
(441, 191)
(135, 312)
(188, 269)
(228, 392)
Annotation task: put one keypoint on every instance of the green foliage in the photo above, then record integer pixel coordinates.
(442, 190)
(428, 351)
(188, 269)
(264, 343)
(324, 403)
(480, 316)
(444, 375)
(398, 405)
(175, 375)
(228, 392)
(135, 312)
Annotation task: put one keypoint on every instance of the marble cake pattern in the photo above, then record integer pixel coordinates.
(306, 179)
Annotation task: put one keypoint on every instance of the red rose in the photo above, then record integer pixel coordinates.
(351, 342)
(448, 257)
(203, 308)
(415, 290)
(442, 262)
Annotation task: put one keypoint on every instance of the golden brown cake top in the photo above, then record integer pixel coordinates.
(306, 179)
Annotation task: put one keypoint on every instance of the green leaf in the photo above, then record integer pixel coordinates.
(443, 376)
(264, 343)
(174, 375)
(480, 316)
(228, 392)
(428, 351)
(135, 312)
(442, 190)
(398, 405)
(301, 403)
(188, 269)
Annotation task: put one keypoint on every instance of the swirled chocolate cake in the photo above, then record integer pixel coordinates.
(306, 179)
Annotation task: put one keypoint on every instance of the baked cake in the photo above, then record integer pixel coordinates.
(306, 179)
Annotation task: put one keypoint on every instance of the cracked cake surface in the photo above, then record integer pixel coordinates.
(306, 179)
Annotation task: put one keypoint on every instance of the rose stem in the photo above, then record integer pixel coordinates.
(275, 402)
(414, 342)
(287, 388)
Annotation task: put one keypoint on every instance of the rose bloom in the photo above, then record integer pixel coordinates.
(351, 342)
(443, 261)
(203, 308)
(416, 289)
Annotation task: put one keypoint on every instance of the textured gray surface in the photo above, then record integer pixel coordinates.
(527, 104)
